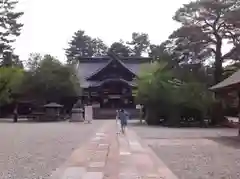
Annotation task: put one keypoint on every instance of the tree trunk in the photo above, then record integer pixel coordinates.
(239, 113)
(173, 118)
(151, 116)
(218, 64)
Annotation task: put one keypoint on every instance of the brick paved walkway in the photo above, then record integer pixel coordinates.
(113, 156)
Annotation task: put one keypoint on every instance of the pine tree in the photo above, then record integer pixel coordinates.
(206, 26)
(10, 28)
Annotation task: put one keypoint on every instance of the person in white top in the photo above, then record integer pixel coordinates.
(117, 122)
(88, 114)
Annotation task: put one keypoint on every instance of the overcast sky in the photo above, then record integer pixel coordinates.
(50, 24)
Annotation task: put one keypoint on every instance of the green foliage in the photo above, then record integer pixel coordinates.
(140, 43)
(33, 61)
(195, 95)
(153, 79)
(83, 45)
(9, 28)
(120, 49)
(10, 83)
(164, 95)
(230, 69)
(11, 60)
(49, 80)
(206, 27)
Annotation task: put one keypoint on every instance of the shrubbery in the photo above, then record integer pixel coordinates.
(175, 102)
(45, 80)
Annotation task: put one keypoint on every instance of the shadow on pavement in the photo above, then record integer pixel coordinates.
(233, 141)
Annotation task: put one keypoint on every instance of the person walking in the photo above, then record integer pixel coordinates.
(15, 114)
(88, 112)
(123, 116)
(117, 122)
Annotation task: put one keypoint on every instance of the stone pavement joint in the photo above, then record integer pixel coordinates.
(113, 156)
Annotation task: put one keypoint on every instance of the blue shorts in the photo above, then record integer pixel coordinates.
(123, 123)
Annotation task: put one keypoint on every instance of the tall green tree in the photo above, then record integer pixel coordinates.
(156, 51)
(165, 96)
(10, 83)
(33, 61)
(120, 49)
(10, 28)
(83, 45)
(206, 26)
(11, 60)
(140, 43)
(49, 80)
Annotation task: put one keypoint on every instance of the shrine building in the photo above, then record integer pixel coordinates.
(110, 82)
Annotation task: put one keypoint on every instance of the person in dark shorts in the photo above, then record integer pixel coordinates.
(123, 116)
(15, 114)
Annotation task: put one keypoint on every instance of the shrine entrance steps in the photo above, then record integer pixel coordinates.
(110, 113)
(109, 155)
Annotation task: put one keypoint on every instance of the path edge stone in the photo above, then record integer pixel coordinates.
(162, 167)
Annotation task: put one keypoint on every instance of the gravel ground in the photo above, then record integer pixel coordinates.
(34, 150)
(171, 133)
(195, 153)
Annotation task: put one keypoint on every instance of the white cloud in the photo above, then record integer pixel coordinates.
(49, 24)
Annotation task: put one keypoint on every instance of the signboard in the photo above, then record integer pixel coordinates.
(138, 106)
(114, 96)
(85, 93)
(88, 113)
(94, 94)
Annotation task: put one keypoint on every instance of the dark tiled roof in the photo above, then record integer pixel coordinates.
(228, 82)
(135, 68)
(107, 58)
(89, 66)
(87, 69)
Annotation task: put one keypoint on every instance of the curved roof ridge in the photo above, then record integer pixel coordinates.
(112, 56)
(234, 79)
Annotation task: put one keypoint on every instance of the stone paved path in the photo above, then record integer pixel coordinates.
(113, 156)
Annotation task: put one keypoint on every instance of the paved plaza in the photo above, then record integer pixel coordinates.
(83, 151)
(195, 153)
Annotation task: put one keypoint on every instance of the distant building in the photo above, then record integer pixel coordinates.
(109, 82)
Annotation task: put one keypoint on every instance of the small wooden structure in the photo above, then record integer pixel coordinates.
(230, 84)
(52, 111)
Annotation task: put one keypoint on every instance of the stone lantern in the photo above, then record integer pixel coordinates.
(77, 112)
(52, 111)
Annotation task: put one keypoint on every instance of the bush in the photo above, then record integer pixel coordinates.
(48, 80)
(10, 83)
(216, 113)
(166, 97)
